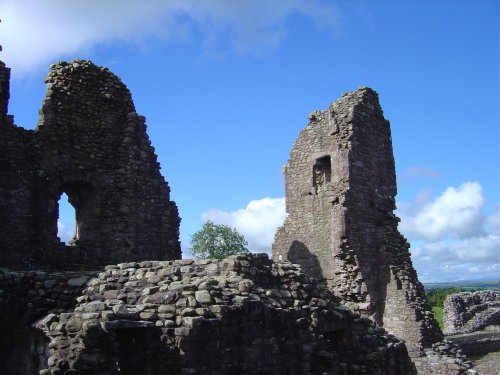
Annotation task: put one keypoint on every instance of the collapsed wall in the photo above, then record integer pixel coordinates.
(471, 311)
(244, 314)
(92, 145)
(340, 186)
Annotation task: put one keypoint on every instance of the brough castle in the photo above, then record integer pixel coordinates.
(339, 297)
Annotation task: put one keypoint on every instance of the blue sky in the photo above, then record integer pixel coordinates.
(226, 86)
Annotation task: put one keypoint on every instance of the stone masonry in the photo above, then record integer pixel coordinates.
(340, 185)
(471, 311)
(242, 315)
(90, 144)
(26, 297)
(61, 312)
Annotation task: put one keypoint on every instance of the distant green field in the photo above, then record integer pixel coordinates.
(464, 285)
(437, 293)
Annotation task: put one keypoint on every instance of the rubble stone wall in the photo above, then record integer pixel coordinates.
(471, 311)
(479, 342)
(340, 186)
(26, 297)
(242, 314)
(30, 295)
(90, 144)
(245, 314)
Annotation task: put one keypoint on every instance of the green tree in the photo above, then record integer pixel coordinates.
(436, 299)
(217, 241)
(437, 296)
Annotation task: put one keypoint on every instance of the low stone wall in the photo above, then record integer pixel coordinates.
(30, 295)
(477, 343)
(245, 314)
(24, 298)
(471, 311)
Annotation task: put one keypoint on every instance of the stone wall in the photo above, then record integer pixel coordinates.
(90, 144)
(26, 297)
(478, 343)
(471, 311)
(245, 314)
(4, 93)
(340, 186)
(30, 295)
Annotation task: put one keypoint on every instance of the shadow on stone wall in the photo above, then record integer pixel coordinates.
(300, 254)
(23, 349)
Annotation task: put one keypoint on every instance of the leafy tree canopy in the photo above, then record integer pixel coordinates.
(217, 241)
(437, 296)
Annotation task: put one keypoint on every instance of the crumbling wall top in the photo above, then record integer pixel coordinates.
(471, 311)
(90, 144)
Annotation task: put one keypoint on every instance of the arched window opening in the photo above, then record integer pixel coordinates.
(76, 210)
(322, 171)
(66, 223)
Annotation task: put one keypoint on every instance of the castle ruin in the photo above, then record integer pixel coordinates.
(149, 312)
(340, 185)
(92, 145)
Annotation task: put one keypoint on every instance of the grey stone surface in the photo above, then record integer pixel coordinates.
(282, 322)
(340, 185)
(29, 297)
(488, 364)
(477, 343)
(78, 281)
(92, 145)
(471, 311)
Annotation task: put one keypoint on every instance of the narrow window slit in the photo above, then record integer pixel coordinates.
(66, 223)
(322, 171)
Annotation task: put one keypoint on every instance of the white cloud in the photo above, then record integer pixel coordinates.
(450, 239)
(475, 249)
(472, 258)
(64, 233)
(493, 222)
(449, 235)
(418, 171)
(186, 251)
(258, 221)
(36, 32)
(455, 212)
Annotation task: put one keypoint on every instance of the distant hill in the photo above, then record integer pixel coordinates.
(464, 285)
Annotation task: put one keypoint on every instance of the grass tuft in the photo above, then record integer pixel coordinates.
(438, 314)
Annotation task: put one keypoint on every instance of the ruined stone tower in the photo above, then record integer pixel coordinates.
(90, 144)
(340, 186)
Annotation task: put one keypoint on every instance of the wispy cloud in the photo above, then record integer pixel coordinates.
(258, 221)
(418, 171)
(34, 32)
